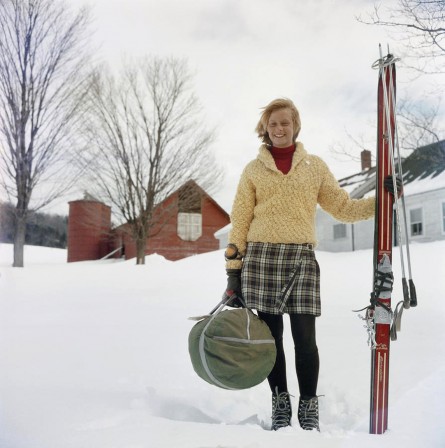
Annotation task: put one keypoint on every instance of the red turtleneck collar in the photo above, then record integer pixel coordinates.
(283, 157)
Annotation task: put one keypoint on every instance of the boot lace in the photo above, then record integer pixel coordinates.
(281, 410)
(308, 413)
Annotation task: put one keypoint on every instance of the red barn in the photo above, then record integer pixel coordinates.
(183, 225)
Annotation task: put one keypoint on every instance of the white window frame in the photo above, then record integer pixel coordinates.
(411, 223)
(189, 226)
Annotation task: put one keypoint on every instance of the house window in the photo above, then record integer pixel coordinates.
(339, 231)
(416, 222)
(189, 226)
(189, 213)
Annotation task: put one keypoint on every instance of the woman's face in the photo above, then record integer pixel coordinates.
(280, 128)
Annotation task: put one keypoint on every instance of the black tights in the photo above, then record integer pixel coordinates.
(307, 362)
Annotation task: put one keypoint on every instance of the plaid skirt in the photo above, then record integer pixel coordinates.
(281, 278)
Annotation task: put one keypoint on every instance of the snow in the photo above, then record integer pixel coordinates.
(94, 354)
(420, 185)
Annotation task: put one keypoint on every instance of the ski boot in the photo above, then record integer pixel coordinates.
(281, 410)
(308, 413)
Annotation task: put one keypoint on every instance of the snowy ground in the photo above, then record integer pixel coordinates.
(94, 354)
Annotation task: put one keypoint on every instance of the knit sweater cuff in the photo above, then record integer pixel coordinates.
(234, 264)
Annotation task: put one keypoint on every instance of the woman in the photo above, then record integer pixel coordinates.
(270, 259)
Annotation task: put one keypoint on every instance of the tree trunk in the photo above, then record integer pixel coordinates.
(19, 242)
(140, 250)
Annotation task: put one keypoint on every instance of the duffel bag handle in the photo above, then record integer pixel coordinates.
(218, 308)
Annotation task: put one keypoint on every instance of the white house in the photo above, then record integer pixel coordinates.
(424, 196)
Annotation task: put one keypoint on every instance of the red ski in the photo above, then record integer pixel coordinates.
(380, 310)
(382, 322)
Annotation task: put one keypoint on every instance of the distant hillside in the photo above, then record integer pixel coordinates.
(42, 229)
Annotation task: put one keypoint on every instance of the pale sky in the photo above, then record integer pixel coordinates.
(244, 53)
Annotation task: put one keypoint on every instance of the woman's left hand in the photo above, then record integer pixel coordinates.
(389, 185)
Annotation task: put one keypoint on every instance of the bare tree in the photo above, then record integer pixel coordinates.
(42, 58)
(418, 125)
(419, 25)
(149, 139)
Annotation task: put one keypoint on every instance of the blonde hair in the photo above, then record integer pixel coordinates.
(280, 103)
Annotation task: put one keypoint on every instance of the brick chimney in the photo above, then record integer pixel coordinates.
(366, 159)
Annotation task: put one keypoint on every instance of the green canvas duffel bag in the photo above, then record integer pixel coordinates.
(232, 349)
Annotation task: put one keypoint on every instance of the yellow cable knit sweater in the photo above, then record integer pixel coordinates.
(274, 207)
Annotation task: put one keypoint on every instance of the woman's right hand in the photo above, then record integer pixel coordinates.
(234, 287)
